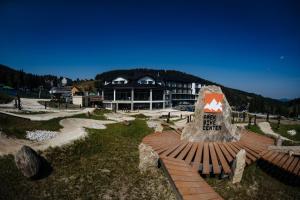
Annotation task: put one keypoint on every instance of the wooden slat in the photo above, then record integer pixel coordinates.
(162, 150)
(206, 169)
(225, 152)
(191, 154)
(297, 167)
(184, 151)
(283, 160)
(250, 151)
(177, 150)
(223, 161)
(273, 156)
(238, 148)
(228, 148)
(198, 156)
(267, 155)
(171, 149)
(293, 165)
(214, 159)
(288, 162)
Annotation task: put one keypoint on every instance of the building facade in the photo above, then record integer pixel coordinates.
(147, 92)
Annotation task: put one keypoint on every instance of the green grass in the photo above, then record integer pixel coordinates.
(103, 166)
(4, 98)
(283, 128)
(16, 126)
(255, 184)
(255, 129)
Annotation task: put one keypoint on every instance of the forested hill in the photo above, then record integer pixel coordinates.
(20, 79)
(237, 98)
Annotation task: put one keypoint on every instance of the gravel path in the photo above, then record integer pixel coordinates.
(73, 129)
(266, 128)
(26, 104)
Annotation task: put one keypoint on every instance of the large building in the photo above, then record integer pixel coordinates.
(148, 89)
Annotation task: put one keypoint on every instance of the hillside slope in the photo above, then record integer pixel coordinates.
(237, 98)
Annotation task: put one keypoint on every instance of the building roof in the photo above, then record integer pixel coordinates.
(133, 75)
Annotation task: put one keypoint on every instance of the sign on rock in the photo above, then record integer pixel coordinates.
(212, 118)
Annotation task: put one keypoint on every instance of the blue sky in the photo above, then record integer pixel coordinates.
(248, 45)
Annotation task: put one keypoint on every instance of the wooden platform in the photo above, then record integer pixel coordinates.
(283, 161)
(187, 182)
(183, 160)
(208, 157)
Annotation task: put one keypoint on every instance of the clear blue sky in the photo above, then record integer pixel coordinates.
(248, 45)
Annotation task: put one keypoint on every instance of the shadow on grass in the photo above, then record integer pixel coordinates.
(279, 174)
(45, 170)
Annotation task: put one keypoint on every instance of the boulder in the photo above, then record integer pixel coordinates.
(279, 141)
(88, 114)
(28, 161)
(148, 158)
(212, 118)
(126, 123)
(238, 166)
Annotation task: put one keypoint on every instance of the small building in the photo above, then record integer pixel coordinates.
(76, 91)
(61, 93)
(85, 99)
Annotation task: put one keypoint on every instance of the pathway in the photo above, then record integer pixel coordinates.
(73, 129)
(266, 128)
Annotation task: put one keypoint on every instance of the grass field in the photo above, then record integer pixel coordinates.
(255, 184)
(17, 127)
(283, 128)
(254, 128)
(103, 166)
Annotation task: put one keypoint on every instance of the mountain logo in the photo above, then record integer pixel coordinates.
(213, 102)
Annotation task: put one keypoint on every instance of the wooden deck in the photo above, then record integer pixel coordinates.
(183, 160)
(208, 157)
(283, 161)
(187, 182)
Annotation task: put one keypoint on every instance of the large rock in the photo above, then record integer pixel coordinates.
(28, 161)
(148, 158)
(212, 119)
(238, 166)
